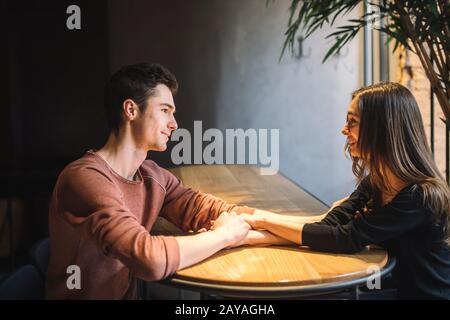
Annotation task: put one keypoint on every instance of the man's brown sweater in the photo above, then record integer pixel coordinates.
(100, 222)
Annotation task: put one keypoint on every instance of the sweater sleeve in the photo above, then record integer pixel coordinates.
(193, 210)
(90, 201)
(343, 213)
(402, 215)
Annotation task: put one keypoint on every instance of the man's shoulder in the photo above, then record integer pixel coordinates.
(150, 166)
(151, 170)
(86, 166)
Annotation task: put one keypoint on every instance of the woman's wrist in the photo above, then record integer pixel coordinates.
(255, 237)
(260, 219)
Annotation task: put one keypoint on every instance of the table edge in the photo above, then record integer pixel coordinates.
(279, 291)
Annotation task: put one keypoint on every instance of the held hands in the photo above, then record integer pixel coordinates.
(252, 237)
(232, 227)
(254, 220)
(236, 230)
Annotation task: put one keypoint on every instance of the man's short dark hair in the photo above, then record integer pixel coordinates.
(136, 82)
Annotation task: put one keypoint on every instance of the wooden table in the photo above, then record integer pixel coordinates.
(272, 271)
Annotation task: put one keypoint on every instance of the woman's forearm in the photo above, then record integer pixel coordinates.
(264, 237)
(286, 227)
(287, 218)
(288, 230)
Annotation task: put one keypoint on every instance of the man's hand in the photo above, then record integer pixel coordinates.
(232, 227)
(254, 220)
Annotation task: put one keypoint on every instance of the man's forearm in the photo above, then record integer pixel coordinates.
(198, 247)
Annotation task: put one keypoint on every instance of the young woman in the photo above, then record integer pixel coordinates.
(401, 203)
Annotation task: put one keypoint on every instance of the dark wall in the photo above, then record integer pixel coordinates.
(56, 78)
(5, 125)
(52, 97)
(177, 34)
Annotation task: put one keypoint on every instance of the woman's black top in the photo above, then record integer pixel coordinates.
(404, 227)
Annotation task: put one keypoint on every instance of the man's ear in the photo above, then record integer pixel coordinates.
(130, 109)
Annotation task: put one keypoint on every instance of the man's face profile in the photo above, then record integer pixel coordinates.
(152, 128)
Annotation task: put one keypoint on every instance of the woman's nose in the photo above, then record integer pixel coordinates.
(345, 130)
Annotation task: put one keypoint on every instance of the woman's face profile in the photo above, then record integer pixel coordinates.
(351, 128)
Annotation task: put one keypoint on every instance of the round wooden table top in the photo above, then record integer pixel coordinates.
(283, 266)
(270, 266)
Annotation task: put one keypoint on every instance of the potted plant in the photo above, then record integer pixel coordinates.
(421, 26)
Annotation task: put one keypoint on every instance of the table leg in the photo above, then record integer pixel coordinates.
(355, 293)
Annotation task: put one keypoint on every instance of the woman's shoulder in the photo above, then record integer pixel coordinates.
(364, 185)
(411, 199)
(413, 193)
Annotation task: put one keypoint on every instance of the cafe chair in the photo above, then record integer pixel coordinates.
(24, 284)
(40, 256)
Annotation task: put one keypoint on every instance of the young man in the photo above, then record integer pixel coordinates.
(105, 203)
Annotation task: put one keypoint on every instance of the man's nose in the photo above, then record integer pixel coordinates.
(173, 125)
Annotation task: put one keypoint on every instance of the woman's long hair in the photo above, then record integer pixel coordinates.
(392, 136)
